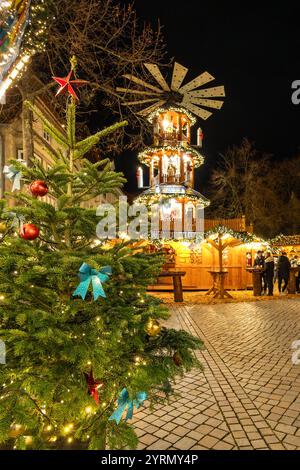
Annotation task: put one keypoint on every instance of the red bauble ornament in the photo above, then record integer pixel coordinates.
(29, 232)
(39, 188)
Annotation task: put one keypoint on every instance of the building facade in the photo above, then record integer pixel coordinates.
(11, 148)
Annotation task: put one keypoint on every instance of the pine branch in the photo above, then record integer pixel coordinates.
(87, 144)
(53, 131)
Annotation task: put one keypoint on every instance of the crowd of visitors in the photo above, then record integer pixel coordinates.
(276, 269)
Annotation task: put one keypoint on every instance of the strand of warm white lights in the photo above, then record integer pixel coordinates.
(4, 5)
(17, 69)
(32, 46)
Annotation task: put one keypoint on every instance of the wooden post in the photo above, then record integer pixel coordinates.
(220, 249)
(180, 127)
(292, 281)
(177, 283)
(160, 169)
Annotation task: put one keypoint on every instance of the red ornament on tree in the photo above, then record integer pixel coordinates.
(66, 85)
(29, 232)
(93, 386)
(38, 188)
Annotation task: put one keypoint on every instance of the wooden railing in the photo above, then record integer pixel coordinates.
(237, 224)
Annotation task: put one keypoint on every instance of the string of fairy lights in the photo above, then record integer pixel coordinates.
(25, 37)
(146, 155)
(66, 432)
(176, 109)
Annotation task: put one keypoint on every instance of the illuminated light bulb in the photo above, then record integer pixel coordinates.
(28, 440)
(53, 439)
(104, 404)
(2, 297)
(89, 363)
(68, 428)
(98, 319)
(62, 401)
(88, 410)
(166, 124)
(49, 427)
(88, 436)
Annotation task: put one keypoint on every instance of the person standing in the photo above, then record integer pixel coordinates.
(284, 268)
(259, 262)
(275, 268)
(269, 272)
(295, 263)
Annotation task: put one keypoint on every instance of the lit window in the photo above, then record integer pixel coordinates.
(20, 154)
(47, 136)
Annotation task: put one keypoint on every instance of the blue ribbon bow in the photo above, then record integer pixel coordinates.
(13, 175)
(88, 275)
(17, 220)
(125, 402)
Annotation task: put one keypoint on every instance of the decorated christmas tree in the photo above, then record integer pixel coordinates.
(84, 345)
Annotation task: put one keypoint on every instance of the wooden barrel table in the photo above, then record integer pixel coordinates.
(177, 283)
(256, 280)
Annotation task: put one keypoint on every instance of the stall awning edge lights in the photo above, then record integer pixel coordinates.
(22, 34)
(15, 72)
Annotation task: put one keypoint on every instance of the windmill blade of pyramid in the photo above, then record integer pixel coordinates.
(153, 107)
(132, 103)
(179, 74)
(137, 80)
(212, 92)
(217, 104)
(156, 73)
(136, 92)
(200, 112)
(205, 77)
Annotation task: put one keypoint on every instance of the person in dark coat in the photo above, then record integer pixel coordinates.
(283, 268)
(295, 263)
(269, 272)
(259, 262)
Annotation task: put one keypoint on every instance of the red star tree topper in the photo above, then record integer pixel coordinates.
(93, 385)
(66, 85)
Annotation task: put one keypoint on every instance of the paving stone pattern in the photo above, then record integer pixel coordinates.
(248, 396)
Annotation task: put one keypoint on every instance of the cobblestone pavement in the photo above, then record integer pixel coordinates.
(248, 396)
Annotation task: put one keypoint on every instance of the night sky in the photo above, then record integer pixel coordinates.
(254, 51)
